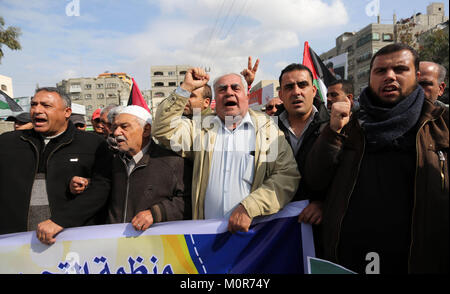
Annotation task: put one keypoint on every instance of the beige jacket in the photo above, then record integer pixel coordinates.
(276, 175)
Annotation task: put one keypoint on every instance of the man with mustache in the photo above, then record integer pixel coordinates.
(384, 169)
(37, 165)
(243, 166)
(150, 184)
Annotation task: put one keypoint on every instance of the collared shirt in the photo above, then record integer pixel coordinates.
(232, 168)
(131, 163)
(295, 141)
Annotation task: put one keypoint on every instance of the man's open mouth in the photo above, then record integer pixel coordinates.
(230, 103)
(39, 121)
(390, 88)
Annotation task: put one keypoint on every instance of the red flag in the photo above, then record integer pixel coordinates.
(322, 77)
(136, 97)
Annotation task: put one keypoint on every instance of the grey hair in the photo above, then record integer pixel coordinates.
(243, 81)
(141, 122)
(113, 112)
(442, 72)
(107, 109)
(66, 99)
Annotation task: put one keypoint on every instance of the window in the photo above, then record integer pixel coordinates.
(99, 86)
(75, 88)
(76, 97)
(387, 38)
(111, 85)
(172, 84)
(4, 88)
(101, 95)
(112, 96)
(159, 94)
(363, 57)
(183, 72)
(88, 96)
(171, 73)
(159, 84)
(363, 40)
(158, 73)
(376, 36)
(88, 86)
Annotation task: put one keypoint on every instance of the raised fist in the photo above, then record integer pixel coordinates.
(195, 78)
(340, 115)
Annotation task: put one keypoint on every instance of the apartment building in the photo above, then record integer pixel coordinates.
(362, 45)
(164, 80)
(97, 92)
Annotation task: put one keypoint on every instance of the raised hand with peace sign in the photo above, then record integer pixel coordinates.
(250, 72)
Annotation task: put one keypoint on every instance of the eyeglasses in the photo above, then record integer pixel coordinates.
(278, 106)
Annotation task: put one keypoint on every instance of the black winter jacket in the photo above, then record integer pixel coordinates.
(74, 153)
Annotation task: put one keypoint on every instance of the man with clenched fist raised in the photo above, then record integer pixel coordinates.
(243, 165)
(384, 170)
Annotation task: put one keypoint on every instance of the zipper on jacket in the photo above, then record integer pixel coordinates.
(415, 194)
(442, 162)
(34, 178)
(48, 159)
(348, 202)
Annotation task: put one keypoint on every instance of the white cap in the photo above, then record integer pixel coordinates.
(137, 111)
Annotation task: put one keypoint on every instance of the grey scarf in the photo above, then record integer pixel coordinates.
(384, 126)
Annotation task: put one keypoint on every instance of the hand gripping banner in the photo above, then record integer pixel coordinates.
(274, 244)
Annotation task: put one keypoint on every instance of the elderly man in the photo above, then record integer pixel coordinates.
(150, 184)
(37, 165)
(431, 79)
(243, 166)
(385, 171)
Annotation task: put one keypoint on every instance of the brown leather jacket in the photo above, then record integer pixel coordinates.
(333, 166)
(160, 181)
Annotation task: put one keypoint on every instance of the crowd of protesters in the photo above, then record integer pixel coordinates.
(374, 168)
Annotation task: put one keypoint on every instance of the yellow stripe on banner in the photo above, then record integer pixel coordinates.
(178, 252)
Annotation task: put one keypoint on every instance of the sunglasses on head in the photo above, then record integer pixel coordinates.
(270, 107)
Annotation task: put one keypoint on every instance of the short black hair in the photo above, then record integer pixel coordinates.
(347, 86)
(391, 48)
(66, 99)
(293, 67)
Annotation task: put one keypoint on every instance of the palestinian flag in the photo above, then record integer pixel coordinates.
(322, 76)
(7, 102)
(136, 97)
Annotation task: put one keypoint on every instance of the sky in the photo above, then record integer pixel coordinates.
(64, 39)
